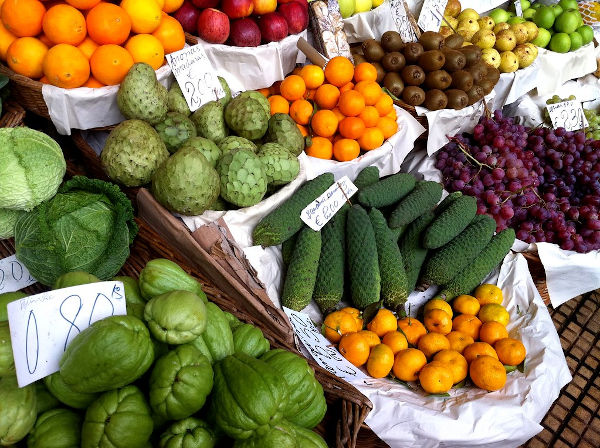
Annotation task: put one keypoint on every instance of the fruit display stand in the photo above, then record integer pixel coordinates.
(370, 24)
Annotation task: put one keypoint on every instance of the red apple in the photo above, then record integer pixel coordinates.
(273, 27)
(213, 26)
(205, 3)
(304, 3)
(236, 9)
(295, 16)
(187, 16)
(244, 33)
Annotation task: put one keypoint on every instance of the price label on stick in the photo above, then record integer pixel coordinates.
(43, 325)
(14, 275)
(318, 213)
(568, 115)
(196, 76)
(518, 8)
(432, 14)
(402, 21)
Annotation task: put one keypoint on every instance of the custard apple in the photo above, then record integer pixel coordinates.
(219, 205)
(283, 130)
(133, 151)
(141, 96)
(264, 102)
(234, 142)
(186, 183)
(227, 98)
(210, 122)
(247, 118)
(243, 178)
(207, 147)
(176, 101)
(281, 167)
(175, 130)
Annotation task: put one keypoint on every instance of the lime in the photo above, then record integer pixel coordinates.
(544, 17)
(529, 13)
(567, 22)
(560, 42)
(587, 34)
(576, 40)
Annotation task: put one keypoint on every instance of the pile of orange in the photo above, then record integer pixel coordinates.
(342, 108)
(441, 350)
(86, 43)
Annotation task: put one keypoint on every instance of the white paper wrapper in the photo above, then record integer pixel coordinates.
(557, 68)
(85, 108)
(512, 86)
(369, 25)
(478, 5)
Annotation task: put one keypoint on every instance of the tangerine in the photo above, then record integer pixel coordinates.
(25, 56)
(339, 71)
(395, 340)
(351, 127)
(492, 331)
(477, 349)
(108, 24)
(146, 48)
(388, 126)
(351, 103)
(324, 123)
(438, 304)
(510, 351)
(110, 64)
(292, 88)
(6, 38)
(340, 116)
(412, 328)
(345, 149)
(279, 105)
(92, 83)
(370, 90)
(320, 147)
(436, 378)
(384, 105)
(380, 361)
(438, 321)
(312, 75)
(467, 324)
(327, 96)
(170, 34)
(487, 293)
(487, 373)
(383, 322)
(408, 363)
(372, 138)
(354, 312)
(466, 304)
(337, 324)
(87, 47)
(64, 24)
(431, 343)
(346, 87)
(458, 340)
(372, 338)
(83, 4)
(301, 111)
(66, 66)
(369, 116)
(303, 130)
(457, 364)
(23, 18)
(355, 348)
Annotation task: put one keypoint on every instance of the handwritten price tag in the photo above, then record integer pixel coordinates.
(402, 21)
(518, 8)
(568, 115)
(43, 325)
(196, 76)
(14, 275)
(431, 15)
(320, 348)
(321, 210)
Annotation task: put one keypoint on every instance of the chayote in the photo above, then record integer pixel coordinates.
(45, 400)
(110, 353)
(7, 362)
(17, 410)
(176, 317)
(188, 433)
(250, 340)
(161, 275)
(5, 299)
(74, 278)
(280, 435)
(216, 342)
(119, 418)
(180, 382)
(58, 428)
(308, 439)
(234, 322)
(135, 303)
(65, 394)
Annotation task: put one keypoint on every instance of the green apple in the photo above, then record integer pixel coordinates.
(567, 22)
(346, 8)
(511, 14)
(536, 6)
(363, 5)
(499, 15)
(529, 13)
(508, 62)
(587, 34)
(576, 41)
(514, 20)
(560, 42)
(544, 17)
(557, 10)
(543, 38)
(525, 4)
(568, 4)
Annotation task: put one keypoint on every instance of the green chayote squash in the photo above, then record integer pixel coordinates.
(280, 435)
(180, 382)
(110, 353)
(234, 322)
(5, 299)
(250, 340)
(74, 278)
(161, 275)
(135, 303)
(119, 418)
(217, 340)
(45, 400)
(306, 406)
(58, 428)
(176, 317)
(308, 439)
(248, 396)
(7, 362)
(17, 410)
(65, 394)
(188, 433)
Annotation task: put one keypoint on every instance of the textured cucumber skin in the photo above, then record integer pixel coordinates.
(447, 201)
(450, 222)
(413, 253)
(423, 198)
(287, 249)
(366, 177)
(387, 191)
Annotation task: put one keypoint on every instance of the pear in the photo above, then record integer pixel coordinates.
(446, 31)
(533, 48)
(524, 55)
(486, 23)
(484, 39)
(453, 8)
(467, 28)
(508, 62)
(501, 27)
(521, 32)
(468, 14)
(506, 40)
(491, 57)
(532, 31)
(453, 21)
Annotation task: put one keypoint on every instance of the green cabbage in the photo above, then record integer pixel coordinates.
(7, 222)
(88, 226)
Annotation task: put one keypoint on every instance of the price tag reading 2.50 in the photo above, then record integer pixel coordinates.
(568, 115)
(431, 15)
(402, 21)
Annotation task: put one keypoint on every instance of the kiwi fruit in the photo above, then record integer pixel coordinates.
(439, 79)
(475, 93)
(413, 75)
(413, 95)
(358, 59)
(493, 74)
(454, 41)
(487, 85)
(432, 60)
(472, 53)
(478, 72)
(435, 99)
(392, 41)
(455, 60)
(462, 80)
(393, 62)
(412, 51)
(372, 50)
(430, 40)
(380, 71)
(393, 82)
(356, 49)
(457, 99)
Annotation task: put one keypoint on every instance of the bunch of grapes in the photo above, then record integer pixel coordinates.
(555, 100)
(543, 183)
(593, 130)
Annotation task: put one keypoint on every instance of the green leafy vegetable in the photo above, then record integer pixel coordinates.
(7, 222)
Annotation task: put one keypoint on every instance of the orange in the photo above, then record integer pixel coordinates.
(466, 304)
(372, 138)
(348, 86)
(510, 351)
(351, 103)
(412, 329)
(459, 340)
(312, 75)
(494, 312)
(264, 92)
(355, 348)
(487, 373)
(384, 105)
(145, 15)
(457, 364)
(327, 96)
(438, 321)
(337, 324)
(340, 116)
(383, 322)
(438, 304)
(320, 147)
(170, 34)
(339, 71)
(64, 24)
(431, 343)
(365, 72)
(146, 48)
(296, 71)
(110, 64)
(388, 126)
(6, 38)
(324, 123)
(44, 39)
(279, 105)
(396, 341)
(467, 324)
(23, 18)
(408, 363)
(87, 47)
(301, 111)
(172, 5)
(92, 83)
(477, 349)
(351, 127)
(83, 4)
(370, 90)
(303, 130)
(372, 338)
(310, 94)
(66, 66)
(381, 361)
(345, 149)
(44, 80)
(25, 56)
(488, 294)
(292, 88)
(108, 24)
(392, 115)
(436, 378)
(369, 116)
(491, 332)
(354, 312)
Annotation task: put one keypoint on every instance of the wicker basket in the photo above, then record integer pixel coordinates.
(538, 274)
(12, 115)
(26, 92)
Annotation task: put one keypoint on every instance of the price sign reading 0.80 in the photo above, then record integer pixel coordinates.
(568, 115)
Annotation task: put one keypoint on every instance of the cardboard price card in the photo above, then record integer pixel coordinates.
(196, 76)
(14, 275)
(402, 21)
(431, 15)
(568, 115)
(318, 213)
(43, 325)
